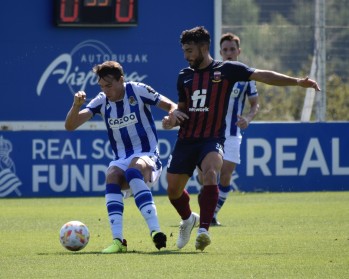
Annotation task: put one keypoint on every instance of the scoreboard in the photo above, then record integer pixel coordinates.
(96, 13)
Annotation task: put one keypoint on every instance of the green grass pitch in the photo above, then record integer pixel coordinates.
(264, 235)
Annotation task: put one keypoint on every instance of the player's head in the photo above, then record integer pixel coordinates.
(196, 46)
(109, 69)
(111, 79)
(229, 47)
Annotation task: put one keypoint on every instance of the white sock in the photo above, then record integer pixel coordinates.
(115, 208)
(144, 199)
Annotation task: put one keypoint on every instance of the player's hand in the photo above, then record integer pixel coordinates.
(242, 122)
(166, 123)
(173, 119)
(177, 117)
(79, 98)
(308, 83)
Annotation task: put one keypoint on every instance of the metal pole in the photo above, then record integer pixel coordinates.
(217, 27)
(320, 48)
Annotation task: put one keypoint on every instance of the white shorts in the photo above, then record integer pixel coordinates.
(150, 158)
(232, 149)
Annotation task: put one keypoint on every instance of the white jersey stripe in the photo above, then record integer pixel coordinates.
(240, 91)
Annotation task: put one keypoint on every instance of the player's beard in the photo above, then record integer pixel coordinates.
(197, 62)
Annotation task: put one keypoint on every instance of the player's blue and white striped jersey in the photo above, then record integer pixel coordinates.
(130, 124)
(240, 91)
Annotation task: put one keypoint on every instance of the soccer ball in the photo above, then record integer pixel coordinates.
(74, 235)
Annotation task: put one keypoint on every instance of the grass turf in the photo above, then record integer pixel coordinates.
(264, 235)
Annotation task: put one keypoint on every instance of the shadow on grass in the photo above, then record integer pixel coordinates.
(153, 253)
(164, 252)
(211, 226)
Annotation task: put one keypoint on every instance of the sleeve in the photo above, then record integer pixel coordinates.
(238, 71)
(95, 105)
(252, 89)
(148, 94)
(180, 87)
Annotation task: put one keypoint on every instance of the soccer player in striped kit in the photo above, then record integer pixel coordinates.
(203, 94)
(126, 110)
(235, 121)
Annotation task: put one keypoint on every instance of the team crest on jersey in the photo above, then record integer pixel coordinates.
(217, 76)
(132, 101)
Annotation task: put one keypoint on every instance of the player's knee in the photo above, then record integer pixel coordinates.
(114, 175)
(210, 176)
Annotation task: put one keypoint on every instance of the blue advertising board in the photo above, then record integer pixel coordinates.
(43, 64)
(294, 157)
(278, 157)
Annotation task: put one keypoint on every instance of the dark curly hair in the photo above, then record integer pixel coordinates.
(197, 35)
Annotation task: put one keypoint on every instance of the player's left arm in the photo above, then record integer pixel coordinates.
(166, 104)
(278, 79)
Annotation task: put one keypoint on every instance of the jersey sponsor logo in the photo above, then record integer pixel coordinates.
(126, 120)
(198, 100)
(205, 109)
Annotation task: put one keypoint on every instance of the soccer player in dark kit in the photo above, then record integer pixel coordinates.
(203, 95)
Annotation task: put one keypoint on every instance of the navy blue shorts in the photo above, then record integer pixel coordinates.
(187, 155)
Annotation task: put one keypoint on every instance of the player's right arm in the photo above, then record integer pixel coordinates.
(244, 121)
(76, 117)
